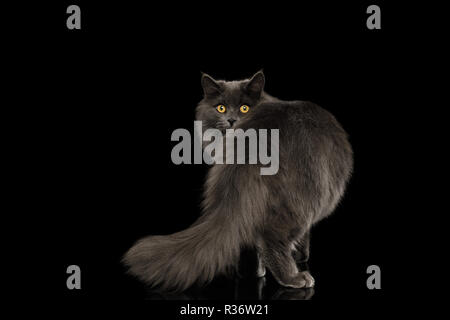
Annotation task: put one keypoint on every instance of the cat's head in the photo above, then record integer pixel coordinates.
(226, 103)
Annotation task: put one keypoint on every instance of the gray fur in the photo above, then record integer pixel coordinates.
(243, 208)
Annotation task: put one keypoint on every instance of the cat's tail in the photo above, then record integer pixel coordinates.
(210, 246)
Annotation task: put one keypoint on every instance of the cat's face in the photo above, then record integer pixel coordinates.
(227, 103)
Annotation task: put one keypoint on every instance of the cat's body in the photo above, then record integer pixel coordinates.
(241, 207)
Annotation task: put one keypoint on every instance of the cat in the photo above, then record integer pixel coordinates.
(242, 208)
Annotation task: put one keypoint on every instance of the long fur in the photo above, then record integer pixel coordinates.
(210, 246)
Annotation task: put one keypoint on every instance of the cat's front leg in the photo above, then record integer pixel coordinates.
(260, 266)
(301, 251)
(277, 256)
(301, 256)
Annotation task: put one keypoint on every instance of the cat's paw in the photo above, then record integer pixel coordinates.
(309, 279)
(260, 272)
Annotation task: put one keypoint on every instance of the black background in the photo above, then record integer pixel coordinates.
(112, 93)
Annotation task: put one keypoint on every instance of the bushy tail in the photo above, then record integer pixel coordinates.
(178, 260)
(197, 254)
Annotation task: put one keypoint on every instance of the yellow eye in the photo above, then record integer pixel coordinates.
(221, 108)
(245, 108)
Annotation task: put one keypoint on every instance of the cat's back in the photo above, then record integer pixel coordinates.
(315, 157)
(306, 131)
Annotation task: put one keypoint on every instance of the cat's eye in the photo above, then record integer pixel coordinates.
(244, 108)
(221, 108)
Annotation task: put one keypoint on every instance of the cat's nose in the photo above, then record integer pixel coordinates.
(231, 121)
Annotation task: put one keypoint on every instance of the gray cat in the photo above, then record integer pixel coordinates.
(241, 207)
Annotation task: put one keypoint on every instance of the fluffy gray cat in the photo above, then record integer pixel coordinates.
(241, 207)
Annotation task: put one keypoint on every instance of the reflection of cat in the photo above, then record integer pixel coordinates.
(242, 289)
(272, 213)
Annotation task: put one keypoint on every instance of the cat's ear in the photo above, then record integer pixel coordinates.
(255, 85)
(210, 86)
